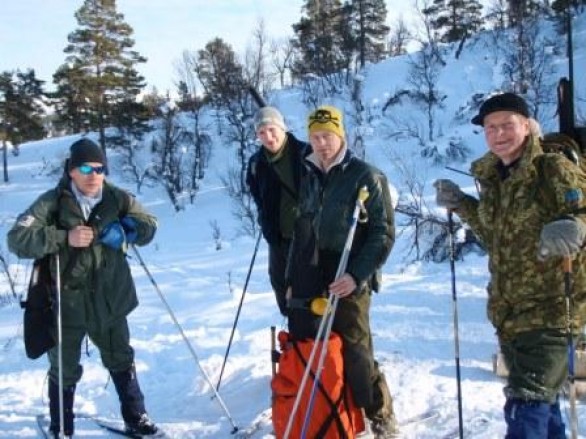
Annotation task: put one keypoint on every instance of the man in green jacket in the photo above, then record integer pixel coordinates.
(328, 193)
(87, 223)
(530, 216)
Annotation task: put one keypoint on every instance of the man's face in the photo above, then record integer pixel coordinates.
(88, 178)
(505, 133)
(326, 146)
(271, 136)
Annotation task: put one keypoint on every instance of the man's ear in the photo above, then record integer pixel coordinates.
(66, 169)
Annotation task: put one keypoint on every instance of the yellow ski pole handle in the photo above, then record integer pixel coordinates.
(318, 306)
(363, 194)
(362, 197)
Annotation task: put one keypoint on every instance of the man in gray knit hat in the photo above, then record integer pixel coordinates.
(273, 178)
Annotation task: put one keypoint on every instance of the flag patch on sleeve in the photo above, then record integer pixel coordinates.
(26, 221)
(573, 197)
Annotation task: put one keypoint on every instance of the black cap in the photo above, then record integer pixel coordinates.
(84, 151)
(501, 102)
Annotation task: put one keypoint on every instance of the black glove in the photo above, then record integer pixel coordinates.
(448, 194)
(562, 237)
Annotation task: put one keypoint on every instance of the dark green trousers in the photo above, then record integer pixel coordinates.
(278, 254)
(368, 383)
(538, 364)
(113, 344)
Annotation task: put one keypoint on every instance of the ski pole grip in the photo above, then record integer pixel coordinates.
(567, 264)
(363, 194)
(318, 306)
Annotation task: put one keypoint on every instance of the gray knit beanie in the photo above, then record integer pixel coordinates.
(269, 115)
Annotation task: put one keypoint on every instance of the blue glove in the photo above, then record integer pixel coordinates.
(113, 235)
(130, 229)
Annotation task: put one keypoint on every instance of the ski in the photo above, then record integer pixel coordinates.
(474, 427)
(117, 427)
(43, 425)
(405, 425)
(262, 421)
(417, 419)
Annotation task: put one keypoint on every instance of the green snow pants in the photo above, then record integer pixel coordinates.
(368, 383)
(113, 343)
(538, 365)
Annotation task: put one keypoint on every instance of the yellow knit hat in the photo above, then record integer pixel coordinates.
(326, 118)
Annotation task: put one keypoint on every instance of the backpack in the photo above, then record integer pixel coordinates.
(39, 314)
(561, 143)
(333, 414)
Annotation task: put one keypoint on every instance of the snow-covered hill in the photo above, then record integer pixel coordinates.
(412, 316)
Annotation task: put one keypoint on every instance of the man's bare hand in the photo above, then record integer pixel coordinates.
(343, 287)
(80, 236)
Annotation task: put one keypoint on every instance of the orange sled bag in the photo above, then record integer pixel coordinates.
(333, 414)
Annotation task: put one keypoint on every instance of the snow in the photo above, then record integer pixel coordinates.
(412, 317)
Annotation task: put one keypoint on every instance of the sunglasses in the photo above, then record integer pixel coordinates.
(323, 116)
(87, 169)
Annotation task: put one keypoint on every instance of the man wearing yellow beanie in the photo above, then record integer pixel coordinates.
(328, 196)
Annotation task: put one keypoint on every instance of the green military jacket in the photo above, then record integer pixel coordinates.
(96, 283)
(525, 293)
(329, 200)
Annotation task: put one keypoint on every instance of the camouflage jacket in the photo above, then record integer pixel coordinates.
(524, 293)
(96, 284)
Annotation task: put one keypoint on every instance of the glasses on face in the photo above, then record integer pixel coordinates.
(87, 169)
(323, 116)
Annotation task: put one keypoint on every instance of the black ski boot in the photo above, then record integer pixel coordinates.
(68, 394)
(132, 406)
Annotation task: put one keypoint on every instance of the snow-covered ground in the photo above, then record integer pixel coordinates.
(412, 317)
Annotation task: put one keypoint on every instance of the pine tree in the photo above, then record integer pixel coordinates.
(71, 103)
(220, 73)
(100, 50)
(518, 10)
(368, 18)
(560, 6)
(455, 20)
(318, 41)
(21, 110)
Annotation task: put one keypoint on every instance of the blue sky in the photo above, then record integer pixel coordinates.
(33, 33)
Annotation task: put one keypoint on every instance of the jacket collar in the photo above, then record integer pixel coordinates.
(487, 167)
(342, 159)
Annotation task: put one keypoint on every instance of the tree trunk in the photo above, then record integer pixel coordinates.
(5, 159)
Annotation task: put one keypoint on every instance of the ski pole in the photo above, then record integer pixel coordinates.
(59, 344)
(326, 323)
(238, 310)
(455, 314)
(273, 349)
(185, 339)
(10, 280)
(567, 267)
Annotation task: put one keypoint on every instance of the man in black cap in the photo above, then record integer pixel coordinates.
(87, 224)
(530, 216)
